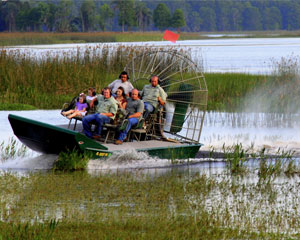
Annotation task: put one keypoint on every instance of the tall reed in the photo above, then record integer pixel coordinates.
(281, 90)
(12, 149)
(50, 81)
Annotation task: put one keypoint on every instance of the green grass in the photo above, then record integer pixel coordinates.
(32, 38)
(16, 106)
(12, 149)
(226, 91)
(49, 83)
(133, 205)
(71, 161)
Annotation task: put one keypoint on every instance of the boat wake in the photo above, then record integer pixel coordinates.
(130, 160)
(40, 162)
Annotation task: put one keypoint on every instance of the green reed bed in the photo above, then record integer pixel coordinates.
(277, 92)
(49, 82)
(226, 91)
(134, 205)
(12, 149)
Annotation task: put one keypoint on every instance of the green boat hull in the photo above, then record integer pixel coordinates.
(49, 139)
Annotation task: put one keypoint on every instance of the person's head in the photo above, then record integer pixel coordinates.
(106, 92)
(81, 98)
(135, 94)
(91, 92)
(124, 76)
(154, 81)
(120, 92)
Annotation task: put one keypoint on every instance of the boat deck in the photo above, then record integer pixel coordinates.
(135, 145)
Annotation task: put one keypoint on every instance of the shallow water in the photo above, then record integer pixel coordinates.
(271, 131)
(247, 55)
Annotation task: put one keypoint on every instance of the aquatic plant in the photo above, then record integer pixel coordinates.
(20, 231)
(12, 149)
(235, 157)
(71, 161)
(271, 166)
(132, 204)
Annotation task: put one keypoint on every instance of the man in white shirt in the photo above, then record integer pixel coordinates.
(121, 82)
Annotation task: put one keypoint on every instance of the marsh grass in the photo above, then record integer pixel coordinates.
(50, 81)
(12, 149)
(127, 205)
(281, 89)
(22, 231)
(71, 161)
(235, 157)
(270, 167)
(30, 38)
(11, 39)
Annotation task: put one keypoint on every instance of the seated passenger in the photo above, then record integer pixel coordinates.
(80, 108)
(152, 95)
(121, 98)
(91, 95)
(121, 82)
(135, 108)
(105, 112)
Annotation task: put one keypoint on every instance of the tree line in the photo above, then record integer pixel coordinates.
(144, 15)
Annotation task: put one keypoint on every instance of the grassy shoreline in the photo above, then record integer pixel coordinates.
(50, 82)
(35, 38)
(126, 205)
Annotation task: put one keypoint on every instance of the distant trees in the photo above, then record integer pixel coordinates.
(88, 15)
(126, 16)
(208, 19)
(178, 20)
(106, 14)
(10, 10)
(272, 19)
(252, 19)
(143, 15)
(63, 16)
(161, 16)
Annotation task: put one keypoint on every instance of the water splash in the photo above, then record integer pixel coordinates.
(34, 162)
(128, 160)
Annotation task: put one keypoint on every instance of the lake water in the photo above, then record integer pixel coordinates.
(250, 55)
(271, 131)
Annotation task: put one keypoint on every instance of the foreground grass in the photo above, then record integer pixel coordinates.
(139, 206)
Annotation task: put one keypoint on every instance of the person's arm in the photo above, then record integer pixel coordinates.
(123, 105)
(107, 114)
(111, 85)
(161, 102)
(93, 102)
(140, 110)
(162, 96)
(113, 110)
(135, 115)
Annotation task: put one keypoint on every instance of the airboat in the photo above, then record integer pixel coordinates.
(171, 132)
